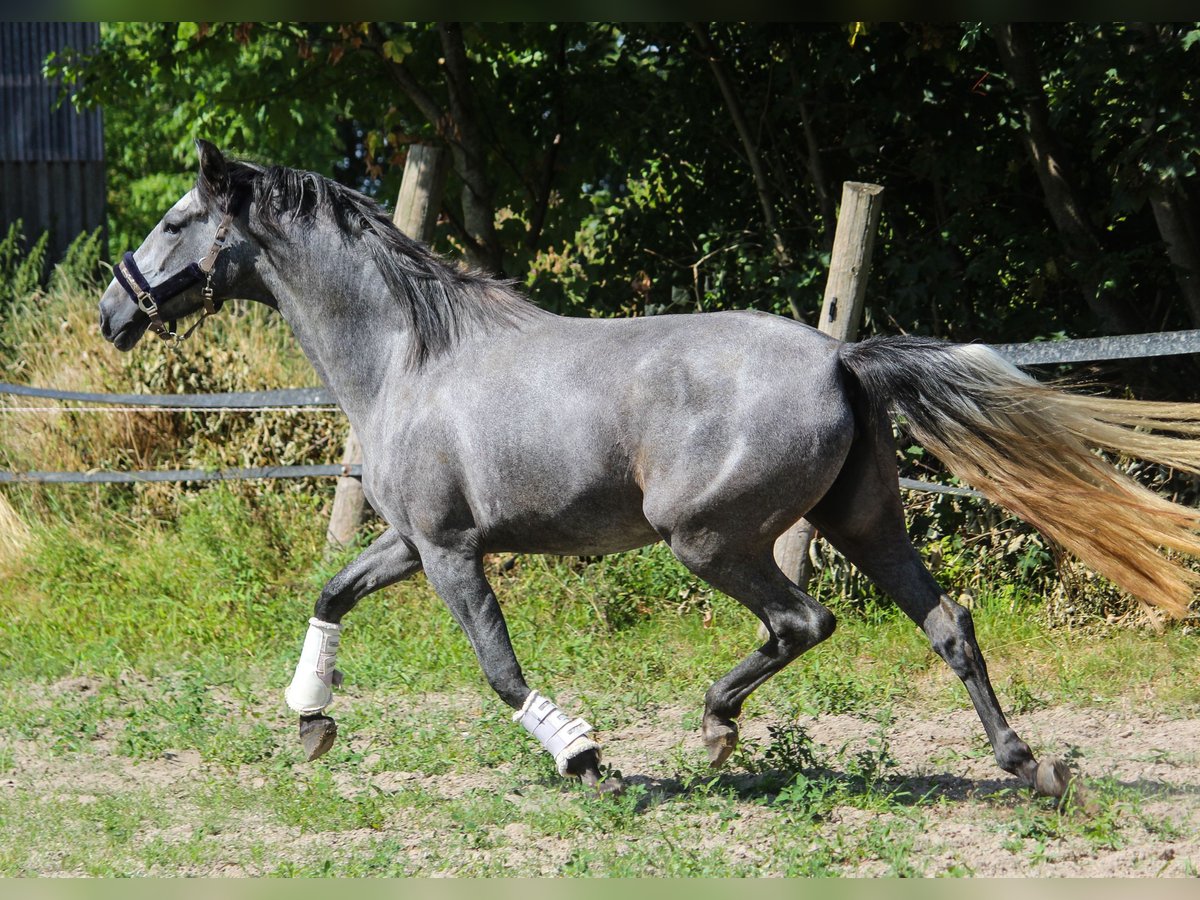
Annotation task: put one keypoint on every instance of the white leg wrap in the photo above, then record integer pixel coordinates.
(563, 738)
(311, 688)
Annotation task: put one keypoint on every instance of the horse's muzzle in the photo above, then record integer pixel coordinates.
(121, 323)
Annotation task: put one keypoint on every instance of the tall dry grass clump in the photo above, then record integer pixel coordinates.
(49, 337)
(14, 534)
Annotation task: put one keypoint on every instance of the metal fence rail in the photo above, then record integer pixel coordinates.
(286, 397)
(178, 475)
(1126, 346)
(1131, 346)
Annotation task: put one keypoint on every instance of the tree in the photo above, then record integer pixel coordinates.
(1040, 180)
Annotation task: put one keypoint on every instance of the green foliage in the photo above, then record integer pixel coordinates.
(648, 205)
(20, 266)
(81, 269)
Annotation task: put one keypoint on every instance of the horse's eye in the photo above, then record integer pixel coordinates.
(170, 228)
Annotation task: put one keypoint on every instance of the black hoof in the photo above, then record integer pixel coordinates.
(317, 734)
(586, 767)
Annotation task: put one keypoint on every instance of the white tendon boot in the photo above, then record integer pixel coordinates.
(563, 738)
(311, 689)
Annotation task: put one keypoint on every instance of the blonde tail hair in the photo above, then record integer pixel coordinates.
(1031, 448)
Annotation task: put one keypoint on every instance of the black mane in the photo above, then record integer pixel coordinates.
(441, 301)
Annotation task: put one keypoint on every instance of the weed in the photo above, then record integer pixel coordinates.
(871, 765)
(1020, 697)
(810, 798)
(791, 748)
(834, 693)
(20, 266)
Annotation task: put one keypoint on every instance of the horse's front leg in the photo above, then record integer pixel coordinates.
(458, 578)
(388, 560)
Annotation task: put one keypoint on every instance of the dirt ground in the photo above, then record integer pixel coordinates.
(1150, 761)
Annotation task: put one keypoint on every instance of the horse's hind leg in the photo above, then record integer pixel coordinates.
(862, 517)
(388, 560)
(794, 622)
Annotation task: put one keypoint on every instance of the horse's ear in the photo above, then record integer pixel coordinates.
(213, 181)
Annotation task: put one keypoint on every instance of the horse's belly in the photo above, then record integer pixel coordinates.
(586, 528)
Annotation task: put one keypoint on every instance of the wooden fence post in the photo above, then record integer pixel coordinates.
(417, 208)
(841, 315)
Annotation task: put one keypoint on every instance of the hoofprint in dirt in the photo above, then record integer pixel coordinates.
(431, 789)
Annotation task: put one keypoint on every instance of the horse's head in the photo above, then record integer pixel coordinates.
(196, 256)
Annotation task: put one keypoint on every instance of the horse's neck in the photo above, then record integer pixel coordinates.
(347, 322)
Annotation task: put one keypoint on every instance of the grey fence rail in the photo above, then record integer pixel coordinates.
(1131, 346)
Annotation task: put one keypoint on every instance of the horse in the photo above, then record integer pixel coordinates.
(490, 425)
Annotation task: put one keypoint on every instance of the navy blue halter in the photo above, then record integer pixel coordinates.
(148, 297)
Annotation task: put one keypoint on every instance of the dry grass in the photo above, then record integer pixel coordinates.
(14, 534)
(51, 339)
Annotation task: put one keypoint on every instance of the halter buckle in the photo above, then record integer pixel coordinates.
(147, 305)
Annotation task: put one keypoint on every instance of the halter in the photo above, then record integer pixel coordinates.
(148, 298)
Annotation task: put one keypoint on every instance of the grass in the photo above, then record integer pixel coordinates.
(147, 632)
(788, 807)
(127, 648)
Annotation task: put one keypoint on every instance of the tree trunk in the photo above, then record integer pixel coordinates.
(416, 214)
(459, 128)
(1172, 207)
(1058, 187)
(1175, 224)
(470, 156)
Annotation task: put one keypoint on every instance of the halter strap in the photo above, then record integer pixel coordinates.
(148, 298)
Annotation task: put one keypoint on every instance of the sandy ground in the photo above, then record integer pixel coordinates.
(964, 823)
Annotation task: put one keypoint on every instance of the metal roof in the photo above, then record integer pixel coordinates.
(31, 128)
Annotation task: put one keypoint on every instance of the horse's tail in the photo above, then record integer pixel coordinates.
(1031, 448)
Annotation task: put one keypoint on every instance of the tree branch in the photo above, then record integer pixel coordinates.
(753, 157)
(421, 98)
(1049, 162)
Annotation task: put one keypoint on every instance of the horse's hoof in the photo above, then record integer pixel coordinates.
(611, 785)
(1051, 778)
(586, 767)
(720, 737)
(317, 734)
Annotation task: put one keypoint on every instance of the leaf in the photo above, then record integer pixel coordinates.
(396, 49)
(1190, 38)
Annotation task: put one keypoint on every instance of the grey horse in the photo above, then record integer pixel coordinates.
(490, 425)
